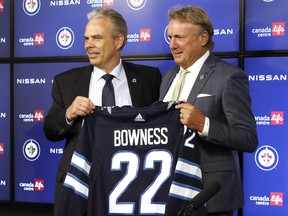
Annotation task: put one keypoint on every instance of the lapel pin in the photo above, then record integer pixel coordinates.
(202, 77)
(134, 80)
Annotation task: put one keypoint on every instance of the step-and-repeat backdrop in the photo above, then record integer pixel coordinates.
(5, 29)
(5, 144)
(56, 27)
(265, 171)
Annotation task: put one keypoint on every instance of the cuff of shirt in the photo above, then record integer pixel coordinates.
(206, 128)
(68, 123)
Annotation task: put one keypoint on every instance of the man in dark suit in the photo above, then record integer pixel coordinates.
(76, 92)
(217, 105)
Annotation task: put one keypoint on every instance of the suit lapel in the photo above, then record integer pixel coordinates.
(168, 81)
(134, 83)
(202, 78)
(82, 81)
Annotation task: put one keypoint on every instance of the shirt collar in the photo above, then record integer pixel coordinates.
(116, 72)
(198, 64)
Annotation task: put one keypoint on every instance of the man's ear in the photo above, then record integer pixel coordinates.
(119, 40)
(204, 38)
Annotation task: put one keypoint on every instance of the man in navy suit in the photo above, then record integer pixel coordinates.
(217, 105)
(76, 92)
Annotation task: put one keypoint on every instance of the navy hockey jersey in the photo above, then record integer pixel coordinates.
(132, 161)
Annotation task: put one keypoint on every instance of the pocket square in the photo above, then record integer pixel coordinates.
(203, 95)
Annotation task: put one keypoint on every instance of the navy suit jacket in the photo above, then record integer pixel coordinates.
(143, 83)
(221, 92)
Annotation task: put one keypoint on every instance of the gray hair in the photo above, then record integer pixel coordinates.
(117, 20)
(196, 16)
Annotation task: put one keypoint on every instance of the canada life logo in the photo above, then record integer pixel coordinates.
(278, 29)
(65, 38)
(277, 118)
(276, 199)
(38, 115)
(39, 39)
(136, 4)
(108, 3)
(1, 148)
(145, 35)
(266, 158)
(1, 5)
(38, 185)
(31, 7)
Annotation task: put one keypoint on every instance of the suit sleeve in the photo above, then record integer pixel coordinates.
(238, 128)
(55, 125)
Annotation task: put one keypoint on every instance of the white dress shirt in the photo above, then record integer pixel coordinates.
(189, 79)
(120, 84)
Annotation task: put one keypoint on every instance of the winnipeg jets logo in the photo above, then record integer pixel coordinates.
(136, 4)
(167, 39)
(65, 38)
(266, 158)
(31, 150)
(31, 7)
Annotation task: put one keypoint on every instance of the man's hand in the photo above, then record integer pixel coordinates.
(81, 106)
(191, 116)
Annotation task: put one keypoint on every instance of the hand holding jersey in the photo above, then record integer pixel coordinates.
(81, 106)
(191, 116)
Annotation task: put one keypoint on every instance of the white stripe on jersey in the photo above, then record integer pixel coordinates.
(188, 168)
(80, 163)
(79, 187)
(182, 191)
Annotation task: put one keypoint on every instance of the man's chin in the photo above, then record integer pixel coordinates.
(177, 60)
(93, 62)
(93, 58)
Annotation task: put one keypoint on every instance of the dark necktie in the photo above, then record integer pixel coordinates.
(108, 98)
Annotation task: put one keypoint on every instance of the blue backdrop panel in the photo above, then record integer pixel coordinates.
(5, 28)
(163, 65)
(265, 171)
(56, 28)
(36, 158)
(232, 61)
(265, 25)
(5, 116)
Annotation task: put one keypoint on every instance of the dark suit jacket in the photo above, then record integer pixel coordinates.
(75, 82)
(221, 92)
